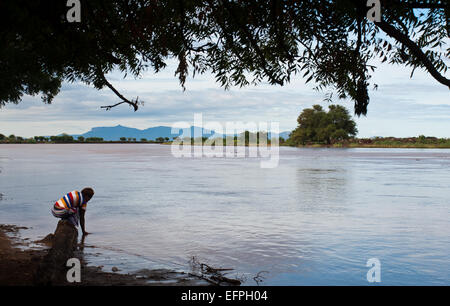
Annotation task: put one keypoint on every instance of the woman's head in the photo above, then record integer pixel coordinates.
(87, 193)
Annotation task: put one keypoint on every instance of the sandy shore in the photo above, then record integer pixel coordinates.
(19, 263)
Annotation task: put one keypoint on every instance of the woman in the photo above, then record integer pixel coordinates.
(72, 207)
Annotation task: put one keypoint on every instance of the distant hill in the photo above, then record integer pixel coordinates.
(116, 132)
(285, 135)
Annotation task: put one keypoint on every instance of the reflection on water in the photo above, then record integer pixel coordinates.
(315, 219)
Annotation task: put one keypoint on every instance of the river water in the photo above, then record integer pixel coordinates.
(315, 219)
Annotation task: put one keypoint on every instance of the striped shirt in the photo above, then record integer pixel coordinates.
(72, 200)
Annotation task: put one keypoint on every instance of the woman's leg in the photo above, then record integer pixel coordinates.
(64, 214)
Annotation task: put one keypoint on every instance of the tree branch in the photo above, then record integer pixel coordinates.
(253, 43)
(418, 4)
(124, 100)
(414, 49)
(108, 107)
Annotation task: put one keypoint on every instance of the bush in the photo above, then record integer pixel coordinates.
(94, 139)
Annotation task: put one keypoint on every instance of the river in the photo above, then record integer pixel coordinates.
(315, 219)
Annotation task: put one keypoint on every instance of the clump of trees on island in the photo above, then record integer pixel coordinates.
(336, 128)
(315, 125)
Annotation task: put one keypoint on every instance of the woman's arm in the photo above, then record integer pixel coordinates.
(82, 213)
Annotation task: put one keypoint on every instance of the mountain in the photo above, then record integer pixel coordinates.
(116, 132)
(285, 135)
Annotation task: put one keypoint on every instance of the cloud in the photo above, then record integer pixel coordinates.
(401, 106)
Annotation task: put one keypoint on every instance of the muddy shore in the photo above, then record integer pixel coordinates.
(19, 264)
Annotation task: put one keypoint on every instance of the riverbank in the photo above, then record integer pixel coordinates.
(420, 142)
(19, 264)
(375, 146)
(336, 145)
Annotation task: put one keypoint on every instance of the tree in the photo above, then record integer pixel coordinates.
(240, 42)
(123, 139)
(80, 138)
(159, 139)
(143, 139)
(316, 125)
(340, 125)
(94, 139)
(2, 137)
(40, 138)
(64, 138)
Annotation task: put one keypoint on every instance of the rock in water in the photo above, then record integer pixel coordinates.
(48, 240)
(53, 267)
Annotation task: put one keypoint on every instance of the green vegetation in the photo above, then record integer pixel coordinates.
(393, 142)
(335, 128)
(382, 142)
(332, 43)
(317, 126)
(247, 138)
(244, 139)
(352, 142)
(94, 139)
(389, 142)
(65, 138)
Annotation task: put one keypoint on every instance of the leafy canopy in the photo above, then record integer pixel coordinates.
(241, 42)
(318, 126)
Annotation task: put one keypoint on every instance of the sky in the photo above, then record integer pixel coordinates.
(401, 107)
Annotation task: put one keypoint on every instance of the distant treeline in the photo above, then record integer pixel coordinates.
(243, 139)
(248, 138)
(64, 138)
(384, 142)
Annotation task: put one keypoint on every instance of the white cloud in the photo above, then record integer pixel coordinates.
(401, 106)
